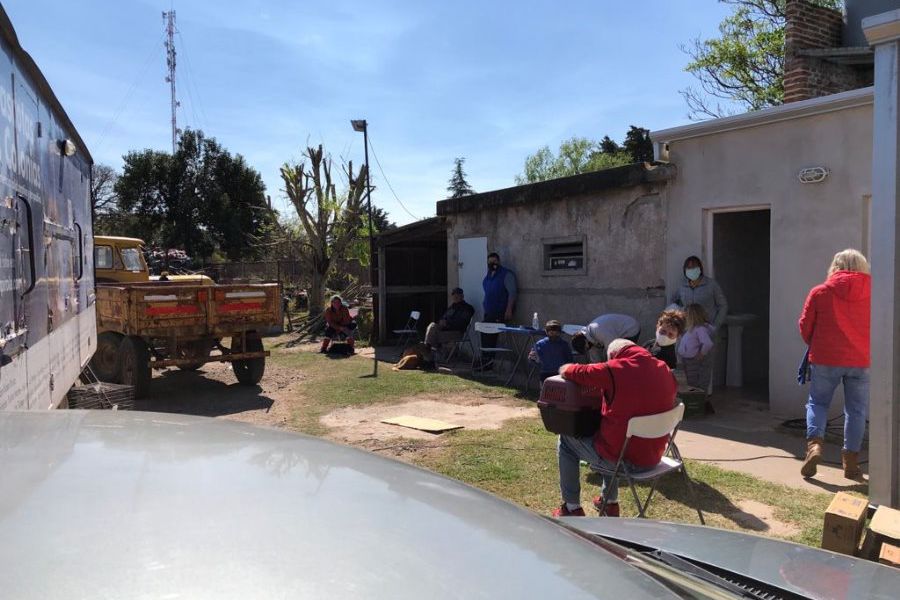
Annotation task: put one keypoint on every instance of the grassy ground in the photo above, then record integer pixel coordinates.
(518, 462)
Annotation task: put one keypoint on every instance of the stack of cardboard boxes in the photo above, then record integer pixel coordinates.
(845, 522)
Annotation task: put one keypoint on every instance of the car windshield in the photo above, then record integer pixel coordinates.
(132, 259)
(103, 257)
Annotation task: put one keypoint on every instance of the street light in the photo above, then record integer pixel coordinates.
(363, 126)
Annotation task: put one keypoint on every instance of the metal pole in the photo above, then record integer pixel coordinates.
(169, 17)
(372, 268)
(883, 33)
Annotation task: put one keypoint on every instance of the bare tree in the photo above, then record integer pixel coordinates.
(331, 222)
(103, 193)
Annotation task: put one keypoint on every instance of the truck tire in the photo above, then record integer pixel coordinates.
(105, 362)
(248, 371)
(135, 365)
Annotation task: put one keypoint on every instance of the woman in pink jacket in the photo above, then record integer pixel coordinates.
(835, 325)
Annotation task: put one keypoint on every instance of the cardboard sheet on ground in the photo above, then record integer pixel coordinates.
(422, 424)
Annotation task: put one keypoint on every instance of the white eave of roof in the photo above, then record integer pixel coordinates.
(766, 116)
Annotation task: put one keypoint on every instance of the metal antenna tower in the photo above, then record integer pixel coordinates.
(169, 18)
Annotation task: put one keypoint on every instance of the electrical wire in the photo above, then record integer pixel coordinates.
(390, 187)
(192, 83)
(155, 51)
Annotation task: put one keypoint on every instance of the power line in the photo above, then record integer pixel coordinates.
(154, 52)
(191, 83)
(390, 187)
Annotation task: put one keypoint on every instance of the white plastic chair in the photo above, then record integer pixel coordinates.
(409, 331)
(488, 328)
(651, 427)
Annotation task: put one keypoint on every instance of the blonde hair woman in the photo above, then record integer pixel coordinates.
(835, 324)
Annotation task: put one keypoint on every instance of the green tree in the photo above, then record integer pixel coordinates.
(745, 64)
(575, 156)
(458, 185)
(638, 144)
(609, 146)
(202, 199)
(331, 222)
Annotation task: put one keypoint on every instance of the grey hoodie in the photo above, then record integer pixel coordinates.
(707, 294)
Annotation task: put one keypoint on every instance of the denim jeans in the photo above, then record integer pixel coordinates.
(824, 380)
(570, 450)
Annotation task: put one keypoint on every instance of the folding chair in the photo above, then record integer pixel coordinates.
(409, 330)
(466, 339)
(488, 328)
(651, 427)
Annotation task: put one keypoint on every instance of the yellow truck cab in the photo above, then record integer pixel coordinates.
(121, 260)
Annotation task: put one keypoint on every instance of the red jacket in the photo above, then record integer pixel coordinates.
(835, 320)
(337, 317)
(635, 384)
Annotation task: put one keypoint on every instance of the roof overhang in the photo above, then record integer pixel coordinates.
(558, 189)
(757, 118)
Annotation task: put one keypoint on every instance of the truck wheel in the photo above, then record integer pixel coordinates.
(105, 362)
(135, 365)
(248, 371)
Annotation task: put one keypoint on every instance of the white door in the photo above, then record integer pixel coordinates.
(472, 269)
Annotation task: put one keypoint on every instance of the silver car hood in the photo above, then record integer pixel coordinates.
(142, 505)
(809, 572)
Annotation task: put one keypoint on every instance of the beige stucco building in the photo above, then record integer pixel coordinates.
(739, 203)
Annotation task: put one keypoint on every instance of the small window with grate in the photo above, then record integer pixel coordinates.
(564, 256)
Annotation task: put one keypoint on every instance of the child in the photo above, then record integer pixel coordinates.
(669, 327)
(551, 352)
(695, 347)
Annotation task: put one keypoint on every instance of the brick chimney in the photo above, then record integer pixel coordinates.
(815, 64)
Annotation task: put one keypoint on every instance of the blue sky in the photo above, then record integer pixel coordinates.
(488, 81)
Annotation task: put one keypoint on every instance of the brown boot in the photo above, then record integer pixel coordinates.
(813, 456)
(850, 461)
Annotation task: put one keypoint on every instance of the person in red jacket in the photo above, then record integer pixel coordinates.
(835, 325)
(338, 323)
(634, 384)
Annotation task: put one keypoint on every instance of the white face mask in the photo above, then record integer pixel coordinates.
(663, 340)
(692, 274)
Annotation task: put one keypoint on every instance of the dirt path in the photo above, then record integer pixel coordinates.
(213, 391)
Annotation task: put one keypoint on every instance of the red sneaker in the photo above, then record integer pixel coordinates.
(562, 511)
(612, 508)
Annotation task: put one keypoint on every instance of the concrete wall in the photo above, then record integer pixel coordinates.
(624, 233)
(809, 223)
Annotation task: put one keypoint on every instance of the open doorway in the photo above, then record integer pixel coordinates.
(740, 258)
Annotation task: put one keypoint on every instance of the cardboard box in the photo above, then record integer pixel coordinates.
(844, 523)
(889, 555)
(883, 530)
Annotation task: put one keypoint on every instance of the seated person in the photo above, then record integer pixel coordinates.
(596, 337)
(551, 352)
(453, 323)
(634, 384)
(338, 324)
(669, 327)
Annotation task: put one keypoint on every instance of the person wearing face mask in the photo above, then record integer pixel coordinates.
(500, 291)
(669, 327)
(697, 288)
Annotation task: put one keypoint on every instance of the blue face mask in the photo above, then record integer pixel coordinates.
(693, 274)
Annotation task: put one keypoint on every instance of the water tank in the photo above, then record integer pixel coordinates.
(857, 10)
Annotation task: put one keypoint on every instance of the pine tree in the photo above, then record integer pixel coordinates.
(458, 185)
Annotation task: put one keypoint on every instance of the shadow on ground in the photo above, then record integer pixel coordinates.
(206, 397)
(674, 488)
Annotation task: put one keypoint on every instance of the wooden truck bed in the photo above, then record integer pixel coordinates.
(158, 310)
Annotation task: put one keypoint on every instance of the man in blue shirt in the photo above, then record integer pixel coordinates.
(500, 291)
(551, 352)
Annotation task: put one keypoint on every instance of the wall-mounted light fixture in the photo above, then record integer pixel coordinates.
(813, 174)
(67, 147)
